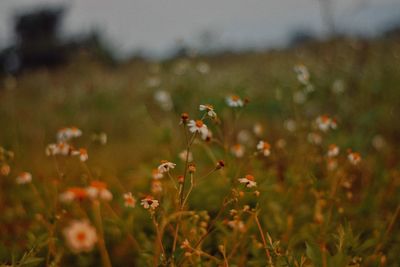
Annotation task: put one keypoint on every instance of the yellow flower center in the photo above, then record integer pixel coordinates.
(266, 146)
(235, 98)
(199, 123)
(81, 236)
(250, 177)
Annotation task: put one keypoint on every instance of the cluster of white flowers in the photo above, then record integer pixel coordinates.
(324, 123)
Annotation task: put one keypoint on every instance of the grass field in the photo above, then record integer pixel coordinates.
(327, 176)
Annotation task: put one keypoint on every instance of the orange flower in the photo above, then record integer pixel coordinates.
(354, 157)
(264, 147)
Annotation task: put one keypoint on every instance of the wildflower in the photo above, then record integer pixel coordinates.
(181, 179)
(220, 164)
(156, 174)
(5, 170)
(233, 212)
(63, 149)
(165, 166)
(98, 189)
(303, 76)
(186, 245)
(338, 87)
(129, 200)
(163, 98)
(75, 132)
(80, 236)
(24, 178)
(248, 180)
(378, 142)
(181, 67)
(82, 153)
(156, 186)
(209, 109)
(66, 134)
(333, 150)
(244, 136)
(354, 157)
(258, 129)
(192, 168)
(101, 138)
(51, 150)
(198, 126)
(333, 123)
(234, 101)
(184, 118)
(149, 203)
(237, 225)
(237, 150)
(73, 193)
(63, 134)
(264, 147)
(184, 155)
(153, 82)
(203, 68)
(290, 125)
(281, 143)
(314, 138)
(325, 123)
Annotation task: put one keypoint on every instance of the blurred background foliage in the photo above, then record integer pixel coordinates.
(79, 83)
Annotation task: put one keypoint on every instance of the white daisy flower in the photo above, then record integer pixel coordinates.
(149, 203)
(203, 67)
(199, 127)
(209, 109)
(325, 123)
(183, 155)
(237, 150)
(314, 138)
(82, 153)
(98, 189)
(234, 101)
(248, 180)
(165, 166)
(129, 200)
(80, 236)
(333, 151)
(303, 76)
(354, 157)
(51, 150)
(24, 178)
(264, 147)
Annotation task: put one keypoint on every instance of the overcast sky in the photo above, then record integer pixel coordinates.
(156, 25)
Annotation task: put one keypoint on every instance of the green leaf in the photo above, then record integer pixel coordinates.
(314, 253)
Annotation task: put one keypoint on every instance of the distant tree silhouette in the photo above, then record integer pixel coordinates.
(38, 43)
(300, 36)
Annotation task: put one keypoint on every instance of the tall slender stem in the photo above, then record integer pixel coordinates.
(101, 243)
(269, 258)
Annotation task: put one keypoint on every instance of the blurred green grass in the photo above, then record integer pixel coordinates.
(117, 101)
